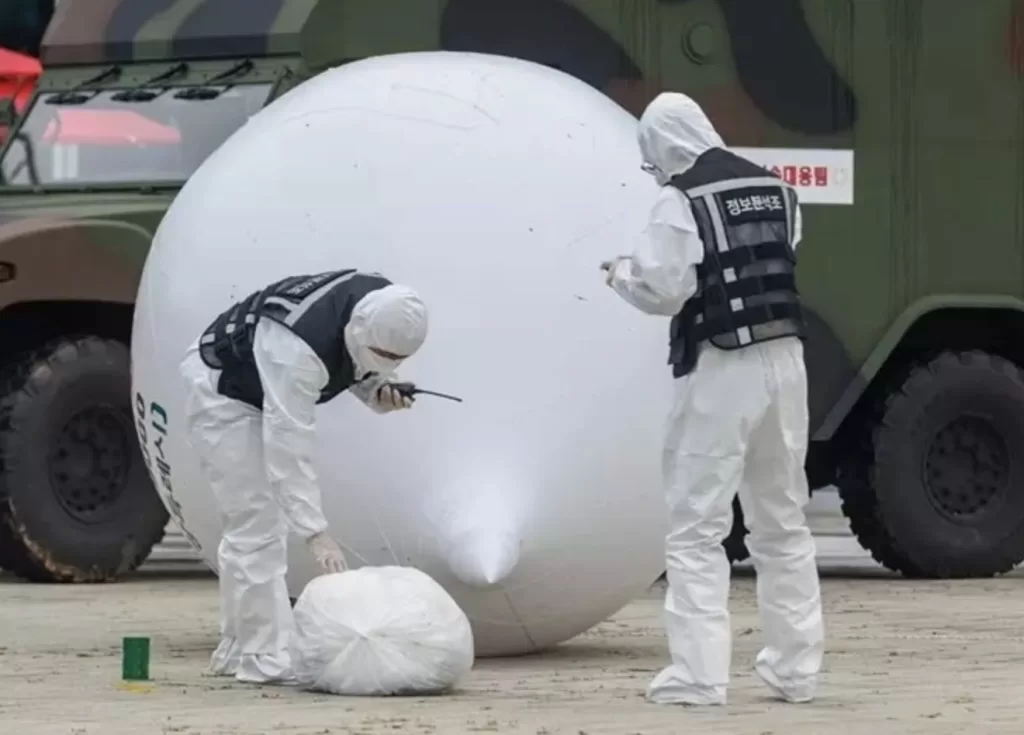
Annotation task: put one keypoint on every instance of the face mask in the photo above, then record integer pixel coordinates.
(367, 361)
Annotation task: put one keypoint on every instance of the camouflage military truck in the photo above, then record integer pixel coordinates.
(909, 159)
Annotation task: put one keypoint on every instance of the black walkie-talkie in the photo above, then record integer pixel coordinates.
(409, 390)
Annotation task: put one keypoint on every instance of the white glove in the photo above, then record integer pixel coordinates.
(390, 399)
(609, 267)
(326, 552)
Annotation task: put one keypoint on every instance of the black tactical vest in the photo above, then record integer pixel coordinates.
(314, 307)
(746, 290)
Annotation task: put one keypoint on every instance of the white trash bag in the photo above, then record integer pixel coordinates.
(379, 631)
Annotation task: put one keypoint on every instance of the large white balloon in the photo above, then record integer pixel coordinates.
(494, 187)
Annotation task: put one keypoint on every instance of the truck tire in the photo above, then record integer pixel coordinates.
(860, 506)
(735, 543)
(76, 500)
(942, 495)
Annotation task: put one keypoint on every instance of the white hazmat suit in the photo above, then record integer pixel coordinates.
(739, 424)
(260, 468)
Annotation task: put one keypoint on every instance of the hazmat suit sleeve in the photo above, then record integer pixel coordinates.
(661, 274)
(292, 377)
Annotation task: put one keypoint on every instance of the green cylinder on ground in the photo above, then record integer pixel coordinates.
(135, 659)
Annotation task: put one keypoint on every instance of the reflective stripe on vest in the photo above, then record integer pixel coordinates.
(748, 288)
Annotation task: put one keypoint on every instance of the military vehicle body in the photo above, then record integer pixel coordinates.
(24, 22)
(909, 159)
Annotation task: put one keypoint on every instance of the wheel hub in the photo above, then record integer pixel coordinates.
(967, 466)
(90, 461)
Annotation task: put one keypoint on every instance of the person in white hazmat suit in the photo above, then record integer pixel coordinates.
(718, 256)
(254, 378)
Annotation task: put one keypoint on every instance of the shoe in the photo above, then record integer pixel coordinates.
(668, 688)
(794, 694)
(283, 681)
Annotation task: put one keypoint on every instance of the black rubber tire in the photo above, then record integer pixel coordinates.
(890, 500)
(40, 539)
(735, 543)
(860, 506)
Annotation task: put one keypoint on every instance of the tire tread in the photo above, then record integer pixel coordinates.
(20, 383)
(858, 486)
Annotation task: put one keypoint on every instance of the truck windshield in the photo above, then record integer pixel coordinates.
(94, 138)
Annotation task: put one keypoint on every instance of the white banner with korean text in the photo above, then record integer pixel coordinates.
(819, 175)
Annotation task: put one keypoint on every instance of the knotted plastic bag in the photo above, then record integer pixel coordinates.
(380, 631)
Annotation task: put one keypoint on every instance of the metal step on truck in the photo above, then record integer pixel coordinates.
(908, 157)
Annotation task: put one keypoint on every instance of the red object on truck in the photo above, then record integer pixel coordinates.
(108, 127)
(18, 75)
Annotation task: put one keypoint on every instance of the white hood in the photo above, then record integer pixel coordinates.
(673, 133)
(394, 319)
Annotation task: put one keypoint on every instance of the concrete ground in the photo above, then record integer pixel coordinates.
(902, 658)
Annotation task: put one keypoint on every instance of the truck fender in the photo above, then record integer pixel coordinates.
(66, 260)
(891, 340)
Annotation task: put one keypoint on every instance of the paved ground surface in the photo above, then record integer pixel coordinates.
(903, 657)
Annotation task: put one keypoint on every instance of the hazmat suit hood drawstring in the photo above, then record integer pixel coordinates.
(673, 133)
